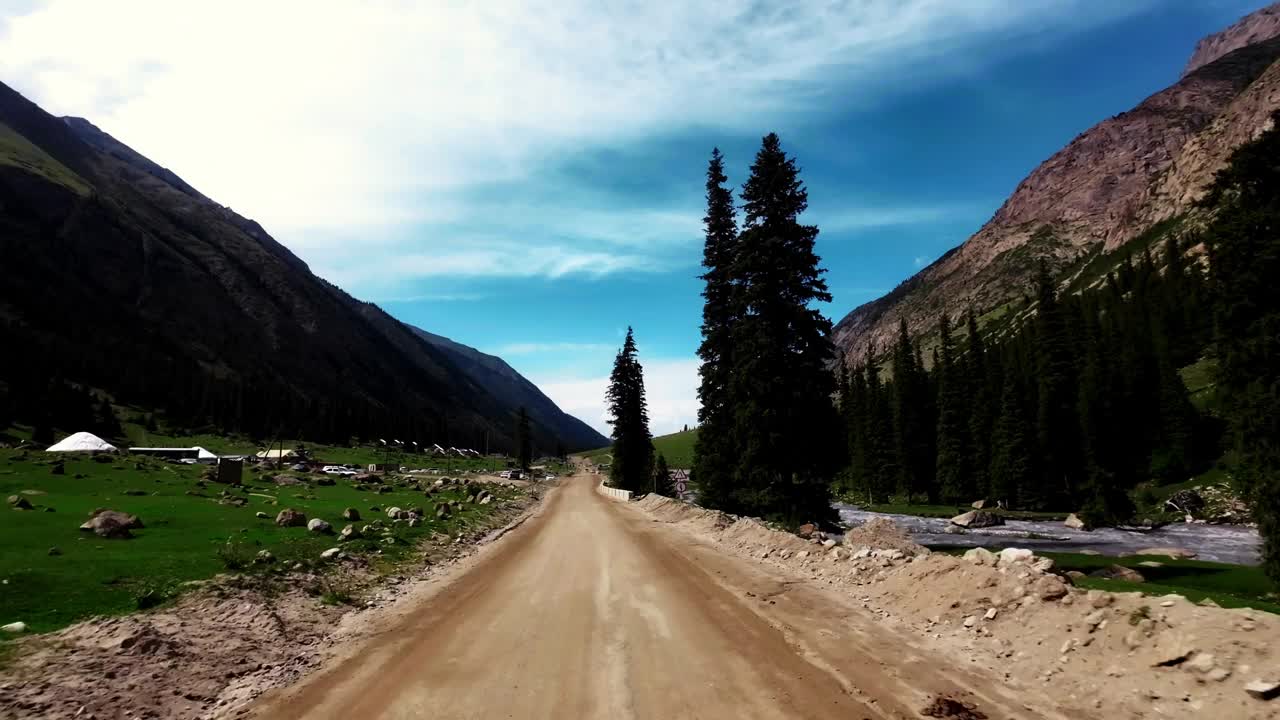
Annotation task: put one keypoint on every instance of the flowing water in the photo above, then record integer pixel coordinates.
(1219, 543)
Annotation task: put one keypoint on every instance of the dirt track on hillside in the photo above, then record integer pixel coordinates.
(592, 609)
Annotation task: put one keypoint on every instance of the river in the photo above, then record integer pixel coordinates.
(1219, 543)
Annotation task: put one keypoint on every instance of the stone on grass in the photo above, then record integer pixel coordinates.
(393, 513)
(1169, 552)
(289, 517)
(348, 533)
(1118, 572)
(264, 557)
(330, 554)
(319, 526)
(261, 515)
(351, 514)
(55, 550)
(14, 627)
(977, 519)
(17, 502)
(414, 522)
(111, 525)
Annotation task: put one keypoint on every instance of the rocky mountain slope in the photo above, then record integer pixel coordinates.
(1105, 188)
(117, 274)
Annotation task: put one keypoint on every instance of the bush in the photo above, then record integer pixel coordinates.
(235, 556)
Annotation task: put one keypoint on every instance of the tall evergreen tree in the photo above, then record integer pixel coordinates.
(780, 386)
(912, 421)
(1012, 467)
(715, 448)
(1244, 243)
(524, 439)
(953, 475)
(982, 385)
(1056, 409)
(877, 429)
(662, 483)
(632, 466)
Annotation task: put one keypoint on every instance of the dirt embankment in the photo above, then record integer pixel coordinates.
(222, 645)
(1124, 655)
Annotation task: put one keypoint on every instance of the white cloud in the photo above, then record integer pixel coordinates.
(921, 260)
(871, 217)
(671, 387)
(338, 124)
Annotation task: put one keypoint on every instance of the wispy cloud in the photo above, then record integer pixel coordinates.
(386, 125)
(921, 260)
(530, 348)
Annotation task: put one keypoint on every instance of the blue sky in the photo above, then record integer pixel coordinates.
(527, 177)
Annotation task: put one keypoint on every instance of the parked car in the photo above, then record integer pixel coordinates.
(505, 474)
(337, 470)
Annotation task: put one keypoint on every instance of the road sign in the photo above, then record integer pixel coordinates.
(681, 487)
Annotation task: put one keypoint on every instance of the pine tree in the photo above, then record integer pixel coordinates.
(524, 440)
(780, 385)
(1244, 243)
(1105, 500)
(1012, 467)
(880, 451)
(714, 450)
(1056, 409)
(953, 475)
(980, 375)
(912, 421)
(662, 484)
(632, 466)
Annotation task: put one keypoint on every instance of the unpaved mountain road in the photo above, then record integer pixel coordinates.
(591, 609)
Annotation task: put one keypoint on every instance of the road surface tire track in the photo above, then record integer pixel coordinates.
(591, 609)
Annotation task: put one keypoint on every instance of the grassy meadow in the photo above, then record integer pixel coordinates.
(190, 532)
(676, 447)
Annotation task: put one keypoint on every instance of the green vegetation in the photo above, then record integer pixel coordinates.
(677, 447)
(188, 535)
(1225, 584)
(632, 465)
(17, 151)
(1201, 379)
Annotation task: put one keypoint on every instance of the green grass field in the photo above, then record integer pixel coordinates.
(1227, 585)
(676, 447)
(186, 536)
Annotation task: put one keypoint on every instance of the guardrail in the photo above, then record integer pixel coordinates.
(615, 493)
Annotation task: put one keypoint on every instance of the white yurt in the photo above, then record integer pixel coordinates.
(82, 442)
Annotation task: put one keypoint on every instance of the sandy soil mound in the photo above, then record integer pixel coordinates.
(1127, 655)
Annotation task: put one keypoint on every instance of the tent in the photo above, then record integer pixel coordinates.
(204, 456)
(82, 442)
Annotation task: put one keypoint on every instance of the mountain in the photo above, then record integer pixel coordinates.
(118, 275)
(493, 373)
(1130, 177)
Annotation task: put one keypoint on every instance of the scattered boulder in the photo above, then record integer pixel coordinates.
(1187, 502)
(348, 533)
(1075, 575)
(980, 556)
(289, 517)
(955, 530)
(55, 551)
(978, 504)
(806, 530)
(1050, 587)
(110, 525)
(1118, 572)
(330, 554)
(1099, 599)
(977, 519)
(1013, 556)
(320, 527)
(393, 513)
(1174, 553)
(1074, 522)
(283, 480)
(17, 502)
(1260, 689)
(414, 522)
(14, 627)
(261, 515)
(264, 557)
(351, 514)
(486, 499)
(1203, 663)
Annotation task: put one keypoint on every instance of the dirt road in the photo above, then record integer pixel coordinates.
(591, 609)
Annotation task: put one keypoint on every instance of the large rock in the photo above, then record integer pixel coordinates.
(351, 514)
(393, 513)
(348, 533)
(980, 556)
(806, 530)
(330, 554)
(111, 524)
(1169, 552)
(17, 502)
(1013, 556)
(289, 517)
(1187, 502)
(1074, 522)
(977, 519)
(1263, 689)
(1118, 572)
(978, 504)
(320, 527)
(14, 627)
